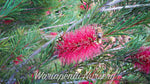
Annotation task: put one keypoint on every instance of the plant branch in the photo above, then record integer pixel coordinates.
(128, 6)
(46, 44)
(125, 27)
(43, 29)
(57, 25)
(108, 4)
(102, 9)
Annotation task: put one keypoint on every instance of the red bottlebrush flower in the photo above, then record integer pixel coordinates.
(32, 75)
(29, 68)
(16, 62)
(53, 33)
(78, 45)
(85, 4)
(8, 21)
(37, 71)
(143, 57)
(48, 12)
(82, 7)
(20, 55)
(116, 79)
(87, 82)
(26, 45)
(18, 58)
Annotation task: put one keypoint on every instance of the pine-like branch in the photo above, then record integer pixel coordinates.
(43, 29)
(46, 44)
(102, 9)
(58, 25)
(108, 4)
(126, 7)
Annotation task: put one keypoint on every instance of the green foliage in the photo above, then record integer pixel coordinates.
(25, 38)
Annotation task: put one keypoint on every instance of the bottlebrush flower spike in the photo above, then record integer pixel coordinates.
(78, 45)
(8, 21)
(18, 58)
(37, 71)
(82, 6)
(53, 33)
(87, 82)
(48, 12)
(143, 56)
(16, 62)
(29, 68)
(116, 79)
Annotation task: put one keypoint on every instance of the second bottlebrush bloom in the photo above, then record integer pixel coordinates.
(84, 6)
(143, 59)
(80, 44)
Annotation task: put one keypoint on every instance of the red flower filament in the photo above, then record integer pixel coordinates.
(78, 45)
(19, 59)
(143, 57)
(83, 6)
